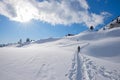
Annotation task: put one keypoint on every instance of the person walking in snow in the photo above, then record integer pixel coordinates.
(78, 48)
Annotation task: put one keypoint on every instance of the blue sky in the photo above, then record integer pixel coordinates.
(35, 20)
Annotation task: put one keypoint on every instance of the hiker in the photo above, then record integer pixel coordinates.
(78, 48)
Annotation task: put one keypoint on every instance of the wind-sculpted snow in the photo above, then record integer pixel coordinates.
(105, 48)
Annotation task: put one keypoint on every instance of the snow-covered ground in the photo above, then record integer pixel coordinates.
(98, 59)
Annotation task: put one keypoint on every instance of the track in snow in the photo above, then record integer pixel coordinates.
(83, 68)
(77, 71)
(94, 71)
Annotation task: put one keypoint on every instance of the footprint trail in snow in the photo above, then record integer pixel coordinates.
(82, 68)
(77, 71)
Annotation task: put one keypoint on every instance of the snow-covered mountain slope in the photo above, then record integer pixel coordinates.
(98, 59)
(113, 24)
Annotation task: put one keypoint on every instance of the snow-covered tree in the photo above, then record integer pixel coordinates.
(118, 20)
(27, 40)
(20, 41)
(91, 27)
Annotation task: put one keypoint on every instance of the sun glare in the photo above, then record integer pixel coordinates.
(25, 14)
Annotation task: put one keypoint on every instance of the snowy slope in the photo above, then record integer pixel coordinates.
(115, 23)
(41, 41)
(99, 58)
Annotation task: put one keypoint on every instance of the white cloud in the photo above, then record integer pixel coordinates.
(52, 11)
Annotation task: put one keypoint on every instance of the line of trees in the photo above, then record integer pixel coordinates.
(27, 41)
